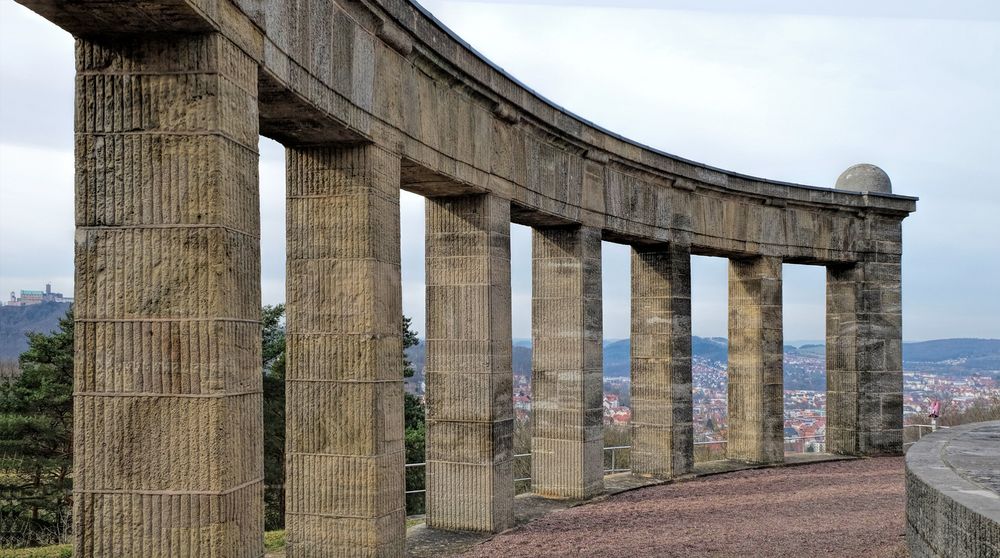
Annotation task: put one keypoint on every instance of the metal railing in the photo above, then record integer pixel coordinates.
(607, 470)
(813, 437)
(613, 468)
(920, 432)
(614, 450)
(818, 439)
(920, 427)
(613, 462)
(409, 466)
(523, 479)
(614, 459)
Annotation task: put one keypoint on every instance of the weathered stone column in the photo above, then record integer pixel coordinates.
(344, 393)
(756, 408)
(662, 434)
(470, 416)
(864, 352)
(567, 443)
(168, 455)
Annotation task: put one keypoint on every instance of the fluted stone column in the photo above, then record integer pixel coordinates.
(470, 416)
(344, 393)
(662, 434)
(864, 354)
(168, 454)
(567, 443)
(756, 408)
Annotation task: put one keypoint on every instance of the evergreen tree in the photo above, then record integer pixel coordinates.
(409, 340)
(273, 365)
(36, 440)
(36, 432)
(415, 430)
(413, 408)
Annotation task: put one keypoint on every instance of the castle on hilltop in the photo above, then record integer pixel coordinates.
(28, 298)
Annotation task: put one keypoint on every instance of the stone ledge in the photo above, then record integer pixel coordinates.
(952, 500)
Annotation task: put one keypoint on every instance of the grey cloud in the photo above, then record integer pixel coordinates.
(898, 9)
(36, 80)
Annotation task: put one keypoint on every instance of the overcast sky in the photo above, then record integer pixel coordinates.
(769, 87)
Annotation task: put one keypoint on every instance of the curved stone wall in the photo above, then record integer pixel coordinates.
(953, 493)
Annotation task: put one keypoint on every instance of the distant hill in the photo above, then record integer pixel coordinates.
(17, 321)
(617, 357)
(956, 356)
(946, 355)
(714, 349)
(812, 349)
(418, 356)
(973, 355)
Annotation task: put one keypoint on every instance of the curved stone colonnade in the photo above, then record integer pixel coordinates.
(953, 493)
(370, 96)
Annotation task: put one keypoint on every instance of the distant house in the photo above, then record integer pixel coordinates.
(522, 402)
(28, 298)
(622, 416)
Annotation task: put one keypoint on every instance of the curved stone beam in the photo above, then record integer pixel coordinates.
(387, 71)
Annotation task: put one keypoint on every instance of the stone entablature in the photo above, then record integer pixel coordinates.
(953, 493)
(386, 71)
(368, 97)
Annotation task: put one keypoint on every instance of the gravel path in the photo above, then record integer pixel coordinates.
(845, 508)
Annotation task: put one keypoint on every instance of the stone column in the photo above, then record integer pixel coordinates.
(756, 408)
(864, 354)
(662, 435)
(567, 443)
(168, 455)
(344, 393)
(470, 416)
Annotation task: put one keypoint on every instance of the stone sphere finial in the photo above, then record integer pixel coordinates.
(865, 178)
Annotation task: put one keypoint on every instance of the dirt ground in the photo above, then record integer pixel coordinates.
(846, 508)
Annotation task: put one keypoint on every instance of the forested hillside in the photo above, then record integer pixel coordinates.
(17, 321)
(973, 355)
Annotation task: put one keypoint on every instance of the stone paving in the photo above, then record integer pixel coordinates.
(424, 542)
(850, 508)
